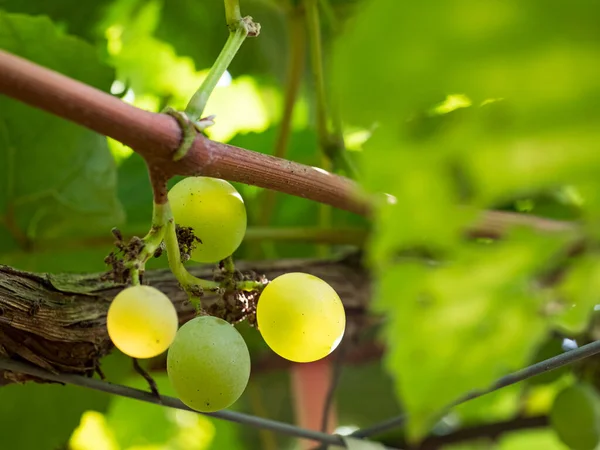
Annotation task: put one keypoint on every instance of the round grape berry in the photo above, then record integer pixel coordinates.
(300, 317)
(141, 321)
(575, 416)
(215, 211)
(208, 364)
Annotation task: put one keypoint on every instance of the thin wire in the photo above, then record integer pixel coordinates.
(547, 365)
(564, 359)
(171, 402)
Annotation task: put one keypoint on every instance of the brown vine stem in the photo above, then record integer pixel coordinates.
(156, 137)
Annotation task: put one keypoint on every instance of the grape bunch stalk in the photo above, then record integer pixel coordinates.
(300, 316)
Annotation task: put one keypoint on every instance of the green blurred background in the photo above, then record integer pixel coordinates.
(486, 105)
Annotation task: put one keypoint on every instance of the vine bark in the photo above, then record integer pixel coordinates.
(58, 322)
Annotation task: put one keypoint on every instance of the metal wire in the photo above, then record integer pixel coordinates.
(563, 359)
(171, 402)
(547, 365)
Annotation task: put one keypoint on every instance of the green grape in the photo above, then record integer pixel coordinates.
(215, 211)
(208, 364)
(142, 322)
(300, 317)
(575, 417)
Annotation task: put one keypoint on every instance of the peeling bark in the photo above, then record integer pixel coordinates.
(58, 322)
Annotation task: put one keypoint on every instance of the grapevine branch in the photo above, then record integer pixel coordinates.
(58, 321)
(157, 136)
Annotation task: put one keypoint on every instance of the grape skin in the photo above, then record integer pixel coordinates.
(141, 321)
(215, 211)
(300, 317)
(208, 364)
(575, 416)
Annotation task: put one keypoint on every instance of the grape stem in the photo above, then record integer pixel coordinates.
(150, 243)
(192, 285)
(229, 281)
(163, 229)
(191, 119)
(151, 383)
(239, 29)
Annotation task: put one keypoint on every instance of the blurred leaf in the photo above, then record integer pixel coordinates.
(579, 293)
(59, 177)
(268, 395)
(75, 17)
(458, 326)
(493, 407)
(135, 191)
(541, 134)
(460, 320)
(92, 433)
(134, 423)
(43, 416)
(151, 68)
(352, 407)
(539, 398)
(86, 258)
(497, 50)
(198, 29)
(542, 439)
(358, 444)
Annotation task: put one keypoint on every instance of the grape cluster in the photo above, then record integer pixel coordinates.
(300, 316)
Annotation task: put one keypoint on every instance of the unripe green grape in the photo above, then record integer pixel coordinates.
(208, 364)
(300, 317)
(142, 321)
(575, 417)
(215, 211)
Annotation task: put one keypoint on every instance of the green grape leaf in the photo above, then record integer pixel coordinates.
(75, 17)
(357, 444)
(578, 293)
(352, 391)
(489, 51)
(538, 135)
(496, 406)
(135, 423)
(53, 410)
(58, 178)
(186, 22)
(74, 256)
(135, 191)
(460, 325)
(543, 438)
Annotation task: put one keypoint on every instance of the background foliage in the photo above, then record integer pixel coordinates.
(449, 107)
